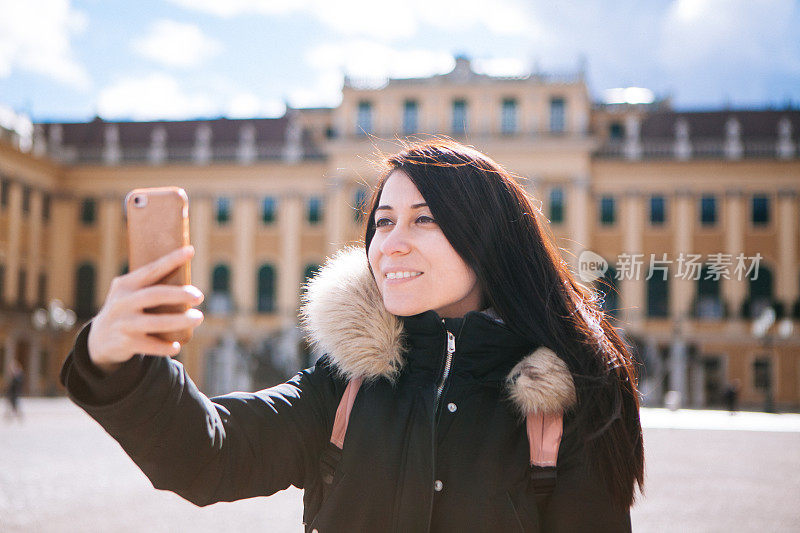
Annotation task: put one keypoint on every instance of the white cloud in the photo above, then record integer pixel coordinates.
(501, 66)
(35, 36)
(231, 8)
(363, 59)
(248, 105)
(176, 44)
(729, 34)
(387, 19)
(369, 59)
(152, 97)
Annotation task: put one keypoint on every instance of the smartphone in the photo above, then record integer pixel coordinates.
(158, 223)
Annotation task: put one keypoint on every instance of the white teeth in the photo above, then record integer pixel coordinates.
(399, 275)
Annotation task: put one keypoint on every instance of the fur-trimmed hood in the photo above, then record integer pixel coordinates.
(344, 316)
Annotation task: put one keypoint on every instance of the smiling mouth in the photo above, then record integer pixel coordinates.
(402, 275)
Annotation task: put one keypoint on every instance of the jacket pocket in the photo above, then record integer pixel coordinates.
(525, 510)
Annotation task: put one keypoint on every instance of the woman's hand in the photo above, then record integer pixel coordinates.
(121, 328)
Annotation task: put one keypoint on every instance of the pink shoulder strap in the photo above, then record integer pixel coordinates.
(343, 412)
(544, 437)
(544, 431)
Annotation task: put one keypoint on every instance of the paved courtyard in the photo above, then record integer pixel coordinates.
(706, 471)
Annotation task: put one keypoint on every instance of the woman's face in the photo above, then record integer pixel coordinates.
(415, 266)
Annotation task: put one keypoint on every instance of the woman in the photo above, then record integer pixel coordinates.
(454, 327)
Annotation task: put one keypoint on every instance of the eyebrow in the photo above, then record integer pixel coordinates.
(415, 206)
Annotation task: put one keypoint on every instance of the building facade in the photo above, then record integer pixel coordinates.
(693, 217)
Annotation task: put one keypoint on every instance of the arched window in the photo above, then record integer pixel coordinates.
(266, 289)
(360, 201)
(709, 303)
(608, 286)
(761, 294)
(84, 290)
(658, 294)
(220, 300)
(310, 271)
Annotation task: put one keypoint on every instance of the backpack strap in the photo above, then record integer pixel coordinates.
(544, 438)
(343, 412)
(332, 453)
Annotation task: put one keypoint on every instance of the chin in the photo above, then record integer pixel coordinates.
(400, 308)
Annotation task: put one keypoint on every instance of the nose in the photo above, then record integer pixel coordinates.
(396, 242)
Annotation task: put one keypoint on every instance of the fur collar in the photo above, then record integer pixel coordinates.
(343, 313)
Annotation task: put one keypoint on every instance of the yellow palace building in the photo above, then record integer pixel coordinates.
(686, 222)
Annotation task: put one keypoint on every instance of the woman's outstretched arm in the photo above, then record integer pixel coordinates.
(226, 448)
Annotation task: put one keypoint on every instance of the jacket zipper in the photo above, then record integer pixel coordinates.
(451, 348)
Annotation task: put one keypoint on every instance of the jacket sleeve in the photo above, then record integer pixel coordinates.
(226, 448)
(580, 501)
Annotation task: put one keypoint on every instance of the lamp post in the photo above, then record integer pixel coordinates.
(760, 329)
(50, 320)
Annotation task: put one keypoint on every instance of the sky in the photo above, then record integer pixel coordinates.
(72, 60)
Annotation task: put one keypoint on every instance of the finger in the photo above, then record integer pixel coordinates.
(149, 345)
(166, 322)
(157, 295)
(156, 270)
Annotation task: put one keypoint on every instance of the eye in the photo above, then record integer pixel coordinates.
(425, 219)
(382, 222)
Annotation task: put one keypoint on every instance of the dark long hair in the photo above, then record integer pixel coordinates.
(493, 224)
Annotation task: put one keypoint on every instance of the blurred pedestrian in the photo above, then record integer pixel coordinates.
(14, 389)
(731, 395)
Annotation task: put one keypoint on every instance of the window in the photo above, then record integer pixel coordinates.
(268, 206)
(88, 211)
(658, 293)
(364, 118)
(360, 200)
(616, 131)
(657, 210)
(556, 205)
(220, 300)
(760, 210)
(26, 200)
(84, 290)
(761, 291)
(22, 280)
(557, 109)
(709, 303)
(762, 373)
(607, 210)
(314, 210)
(41, 293)
(607, 285)
(459, 125)
(266, 289)
(46, 207)
(410, 114)
(708, 210)
(310, 271)
(223, 210)
(508, 122)
(4, 188)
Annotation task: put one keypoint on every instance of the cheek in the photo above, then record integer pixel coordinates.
(374, 257)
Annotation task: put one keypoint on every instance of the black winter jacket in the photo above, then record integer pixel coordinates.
(427, 448)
